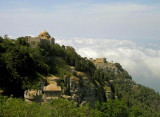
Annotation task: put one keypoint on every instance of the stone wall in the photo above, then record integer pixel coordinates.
(43, 36)
(33, 96)
(100, 60)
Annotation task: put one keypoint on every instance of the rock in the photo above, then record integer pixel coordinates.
(83, 103)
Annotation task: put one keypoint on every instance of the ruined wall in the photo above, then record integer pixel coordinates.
(32, 40)
(100, 60)
(33, 96)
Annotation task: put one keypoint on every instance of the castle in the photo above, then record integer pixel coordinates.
(43, 36)
(98, 60)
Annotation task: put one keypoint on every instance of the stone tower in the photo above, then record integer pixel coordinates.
(33, 96)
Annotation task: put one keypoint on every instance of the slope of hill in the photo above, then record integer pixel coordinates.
(108, 88)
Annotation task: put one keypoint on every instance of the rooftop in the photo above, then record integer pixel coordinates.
(52, 87)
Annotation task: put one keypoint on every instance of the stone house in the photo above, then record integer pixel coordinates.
(52, 91)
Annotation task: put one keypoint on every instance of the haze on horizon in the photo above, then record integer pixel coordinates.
(125, 31)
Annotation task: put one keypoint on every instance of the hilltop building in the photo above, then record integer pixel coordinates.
(43, 36)
(98, 60)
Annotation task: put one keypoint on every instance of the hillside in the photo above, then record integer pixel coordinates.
(88, 87)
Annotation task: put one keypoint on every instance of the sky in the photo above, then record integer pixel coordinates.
(124, 31)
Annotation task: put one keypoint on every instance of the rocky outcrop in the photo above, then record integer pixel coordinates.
(82, 89)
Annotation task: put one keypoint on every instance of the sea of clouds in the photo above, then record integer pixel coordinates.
(142, 61)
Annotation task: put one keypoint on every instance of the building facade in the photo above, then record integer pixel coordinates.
(52, 91)
(43, 36)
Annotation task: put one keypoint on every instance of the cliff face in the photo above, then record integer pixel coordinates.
(82, 88)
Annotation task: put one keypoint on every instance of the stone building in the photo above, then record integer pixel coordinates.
(33, 96)
(98, 60)
(52, 91)
(43, 36)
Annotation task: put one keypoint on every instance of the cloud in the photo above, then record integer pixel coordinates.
(143, 63)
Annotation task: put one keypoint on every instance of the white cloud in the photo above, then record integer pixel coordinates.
(141, 62)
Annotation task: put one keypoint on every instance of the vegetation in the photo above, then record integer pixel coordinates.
(12, 107)
(23, 67)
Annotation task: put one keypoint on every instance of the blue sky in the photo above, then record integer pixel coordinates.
(131, 27)
(136, 20)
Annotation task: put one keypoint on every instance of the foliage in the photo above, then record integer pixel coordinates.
(119, 66)
(112, 108)
(20, 63)
(13, 107)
